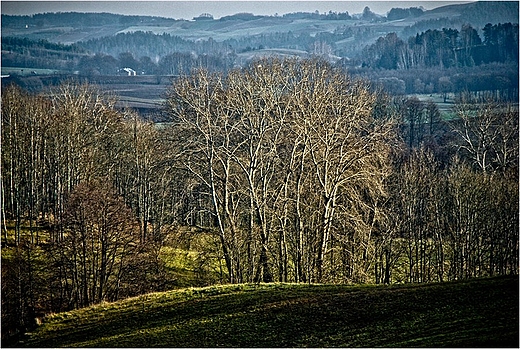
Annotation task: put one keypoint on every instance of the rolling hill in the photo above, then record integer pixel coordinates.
(68, 28)
(100, 44)
(473, 313)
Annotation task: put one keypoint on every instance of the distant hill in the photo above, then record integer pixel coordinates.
(473, 313)
(477, 14)
(94, 44)
(71, 27)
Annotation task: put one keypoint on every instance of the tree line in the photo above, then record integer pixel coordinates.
(435, 61)
(478, 14)
(81, 20)
(433, 48)
(24, 52)
(445, 48)
(285, 170)
(497, 79)
(494, 80)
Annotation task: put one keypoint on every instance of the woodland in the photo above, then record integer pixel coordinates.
(281, 171)
(324, 163)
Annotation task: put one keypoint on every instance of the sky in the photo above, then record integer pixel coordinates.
(189, 9)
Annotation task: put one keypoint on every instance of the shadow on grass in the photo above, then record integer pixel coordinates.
(475, 313)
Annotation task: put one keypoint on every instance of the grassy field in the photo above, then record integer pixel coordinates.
(445, 108)
(147, 93)
(29, 71)
(474, 313)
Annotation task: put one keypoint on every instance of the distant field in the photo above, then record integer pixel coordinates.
(221, 31)
(144, 93)
(444, 108)
(147, 93)
(30, 71)
(280, 53)
(474, 313)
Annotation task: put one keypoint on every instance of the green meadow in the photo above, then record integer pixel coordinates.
(473, 313)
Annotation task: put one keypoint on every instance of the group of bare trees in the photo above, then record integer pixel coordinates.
(287, 170)
(292, 159)
(76, 203)
(310, 176)
(449, 222)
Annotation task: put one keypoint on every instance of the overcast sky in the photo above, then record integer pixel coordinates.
(190, 9)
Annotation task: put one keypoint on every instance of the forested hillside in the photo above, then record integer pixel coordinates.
(41, 54)
(284, 171)
(445, 48)
(442, 62)
(477, 14)
(446, 60)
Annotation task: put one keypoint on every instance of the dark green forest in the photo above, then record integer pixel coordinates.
(284, 170)
(446, 48)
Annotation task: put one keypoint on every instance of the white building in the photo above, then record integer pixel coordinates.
(129, 71)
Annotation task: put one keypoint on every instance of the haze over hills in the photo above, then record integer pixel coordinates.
(333, 34)
(102, 44)
(68, 28)
(189, 9)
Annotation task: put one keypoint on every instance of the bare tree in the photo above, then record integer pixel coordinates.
(487, 135)
(347, 146)
(99, 236)
(206, 129)
(258, 95)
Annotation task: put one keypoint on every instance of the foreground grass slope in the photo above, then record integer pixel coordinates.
(474, 313)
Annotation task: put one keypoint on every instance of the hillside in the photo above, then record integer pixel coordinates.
(93, 44)
(68, 28)
(474, 313)
(477, 13)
